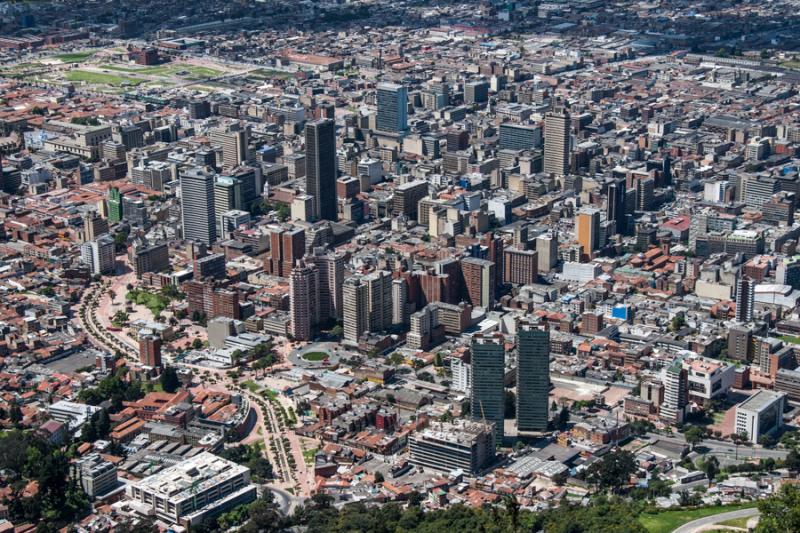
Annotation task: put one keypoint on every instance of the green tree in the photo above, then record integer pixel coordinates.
(169, 380)
(15, 414)
(780, 513)
(792, 461)
(613, 470)
(694, 435)
(710, 466)
(510, 405)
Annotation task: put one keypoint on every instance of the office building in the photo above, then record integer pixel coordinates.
(192, 491)
(356, 309)
(520, 267)
(519, 137)
(233, 220)
(556, 143)
(197, 206)
(100, 255)
(287, 245)
(587, 230)
(150, 350)
(233, 139)
(547, 252)
(476, 92)
(533, 376)
(392, 108)
(96, 476)
(153, 258)
(676, 393)
(788, 381)
(479, 281)
(227, 196)
(94, 226)
(407, 196)
(399, 302)
(114, 205)
(745, 297)
(321, 168)
(379, 300)
(760, 414)
(615, 205)
(488, 373)
(462, 445)
(303, 300)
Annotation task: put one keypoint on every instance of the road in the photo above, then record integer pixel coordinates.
(727, 450)
(701, 523)
(286, 501)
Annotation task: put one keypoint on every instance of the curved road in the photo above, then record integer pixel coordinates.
(701, 523)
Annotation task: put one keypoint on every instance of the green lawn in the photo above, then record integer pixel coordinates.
(100, 79)
(790, 339)
(308, 455)
(189, 72)
(315, 356)
(668, 521)
(251, 385)
(265, 73)
(736, 522)
(75, 57)
(155, 302)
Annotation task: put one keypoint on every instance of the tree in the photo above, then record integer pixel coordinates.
(379, 477)
(563, 418)
(437, 360)
(613, 470)
(169, 379)
(792, 461)
(710, 466)
(694, 435)
(780, 513)
(197, 344)
(337, 331)
(15, 414)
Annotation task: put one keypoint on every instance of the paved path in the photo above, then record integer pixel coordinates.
(700, 523)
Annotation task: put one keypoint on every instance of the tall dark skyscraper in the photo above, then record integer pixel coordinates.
(321, 167)
(533, 376)
(615, 207)
(745, 294)
(488, 371)
(197, 206)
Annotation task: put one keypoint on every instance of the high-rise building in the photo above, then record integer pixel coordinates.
(399, 302)
(227, 196)
(547, 248)
(356, 309)
(154, 258)
(476, 92)
(94, 226)
(520, 267)
(533, 376)
(461, 445)
(114, 205)
(392, 108)
(676, 393)
(519, 137)
(591, 323)
(740, 343)
(287, 245)
(100, 255)
(745, 296)
(587, 230)
(233, 139)
(788, 273)
(615, 205)
(479, 281)
(331, 278)
(321, 168)
(379, 300)
(407, 196)
(556, 143)
(97, 476)
(303, 300)
(197, 205)
(488, 372)
(150, 350)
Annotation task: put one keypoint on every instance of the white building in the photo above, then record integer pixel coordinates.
(99, 255)
(189, 492)
(580, 272)
(71, 413)
(761, 414)
(462, 374)
(708, 379)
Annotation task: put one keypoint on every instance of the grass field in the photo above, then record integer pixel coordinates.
(190, 72)
(251, 385)
(315, 356)
(668, 521)
(790, 339)
(100, 79)
(266, 74)
(308, 455)
(75, 57)
(736, 522)
(155, 302)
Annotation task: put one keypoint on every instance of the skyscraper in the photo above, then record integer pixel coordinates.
(303, 300)
(488, 392)
(479, 281)
(587, 230)
(99, 254)
(150, 350)
(392, 108)
(227, 196)
(331, 279)
(321, 168)
(745, 294)
(114, 205)
(399, 301)
(356, 311)
(197, 205)
(615, 205)
(379, 299)
(233, 139)
(556, 143)
(533, 376)
(676, 393)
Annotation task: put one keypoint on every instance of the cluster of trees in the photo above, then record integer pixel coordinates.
(252, 457)
(169, 380)
(59, 501)
(613, 471)
(114, 388)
